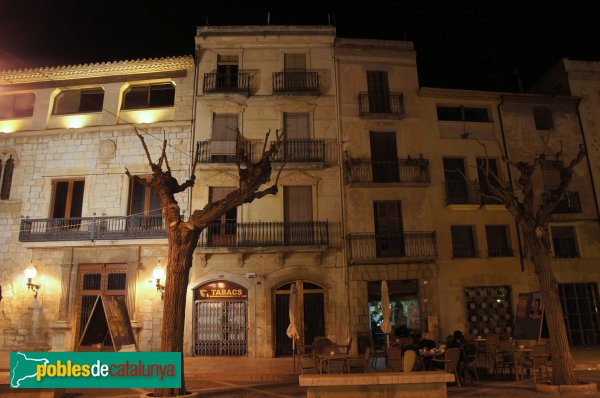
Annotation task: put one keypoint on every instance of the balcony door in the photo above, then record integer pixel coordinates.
(67, 202)
(227, 72)
(222, 233)
(298, 216)
(384, 158)
(492, 167)
(144, 207)
(389, 233)
(294, 66)
(457, 189)
(296, 146)
(224, 137)
(379, 92)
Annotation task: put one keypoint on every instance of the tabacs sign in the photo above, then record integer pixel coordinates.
(224, 290)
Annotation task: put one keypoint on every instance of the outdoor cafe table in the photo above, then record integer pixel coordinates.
(428, 354)
(323, 359)
(519, 356)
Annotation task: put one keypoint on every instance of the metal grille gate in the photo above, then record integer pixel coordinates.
(221, 328)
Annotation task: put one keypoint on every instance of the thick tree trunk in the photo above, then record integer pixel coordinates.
(182, 243)
(563, 368)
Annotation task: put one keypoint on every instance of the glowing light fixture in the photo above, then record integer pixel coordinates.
(30, 273)
(157, 274)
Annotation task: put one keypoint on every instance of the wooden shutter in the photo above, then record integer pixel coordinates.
(383, 146)
(298, 204)
(388, 218)
(296, 126)
(377, 82)
(224, 134)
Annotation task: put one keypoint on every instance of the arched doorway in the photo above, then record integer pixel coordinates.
(220, 319)
(310, 320)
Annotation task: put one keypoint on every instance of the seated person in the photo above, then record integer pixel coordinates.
(426, 342)
(458, 341)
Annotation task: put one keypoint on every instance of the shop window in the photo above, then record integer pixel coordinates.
(489, 310)
(149, 96)
(78, 101)
(16, 105)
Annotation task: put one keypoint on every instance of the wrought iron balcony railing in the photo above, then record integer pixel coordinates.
(411, 246)
(465, 253)
(226, 83)
(298, 82)
(213, 151)
(92, 228)
(461, 192)
(291, 151)
(301, 151)
(570, 203)
(260, 234)
(501, 252)
(253, 234)
(410, 171)
(381, 104)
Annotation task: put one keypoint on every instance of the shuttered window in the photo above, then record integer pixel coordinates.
(224, 134)
(463, 241)
(296, 126)
(7, 165)
(67, 198)
(294, 62)
(564, 241)
(298, 204)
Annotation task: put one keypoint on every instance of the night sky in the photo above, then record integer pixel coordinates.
(471, 45)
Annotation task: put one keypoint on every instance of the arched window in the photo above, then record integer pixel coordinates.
(78, 101)
(7, 165)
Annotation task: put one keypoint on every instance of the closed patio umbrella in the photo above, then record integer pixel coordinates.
(386, 326)
(292, 330)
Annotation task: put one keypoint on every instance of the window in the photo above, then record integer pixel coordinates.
(294, 62)
(550, 175)
(389, 231)
(298, 215)
(296, 126)
(67, 199)
(7, 165)
(543, 118)
(384, 157)
(497, 241)
(149, 96)
(491, 165)
(223, 231)
(224, 136)
(16, 105)
(227, 71)
(564, 241)
(457, 188)
(463, 241)
(144, 206)
(462, 114)
(378, 91)
(78, 101)
(489, 310)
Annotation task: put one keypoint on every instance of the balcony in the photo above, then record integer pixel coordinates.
(570, 203)
(298, 83)
(210, 151)
(460, 192)
(380, 105)
(500, 252)
(369, 248)
(465, 253)
(92, 228)
(264, 234)
(401, 171)
(215, 83)
(253, 234)
(291, 151)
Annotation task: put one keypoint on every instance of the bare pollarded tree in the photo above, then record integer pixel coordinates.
(183, 235)
(531, 212)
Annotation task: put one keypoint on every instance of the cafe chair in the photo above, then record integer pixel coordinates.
(376, 353)
(505, 357)
(307, 364)
(450, 362)
(360, 363)
(472, 358)
(394, 358)
(539, 359)
(345, 348)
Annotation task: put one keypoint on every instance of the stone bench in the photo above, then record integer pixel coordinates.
(384, 384)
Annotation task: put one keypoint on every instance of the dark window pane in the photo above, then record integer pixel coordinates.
(543, 118)
(77, 199)
(91, 281)
(476, 115)
(60, 199)
(116, 281)
(450, 113)
(136, 97)
(91, 100)
(463, 243)
(162, 95)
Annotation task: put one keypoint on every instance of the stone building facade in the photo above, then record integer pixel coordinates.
(380, 182)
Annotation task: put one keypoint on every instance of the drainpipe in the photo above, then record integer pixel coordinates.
(193, 127)
(510, 181)
(589, 166)
(336, 79)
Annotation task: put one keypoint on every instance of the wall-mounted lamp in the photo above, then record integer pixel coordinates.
(30, 273)
(157, 274)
